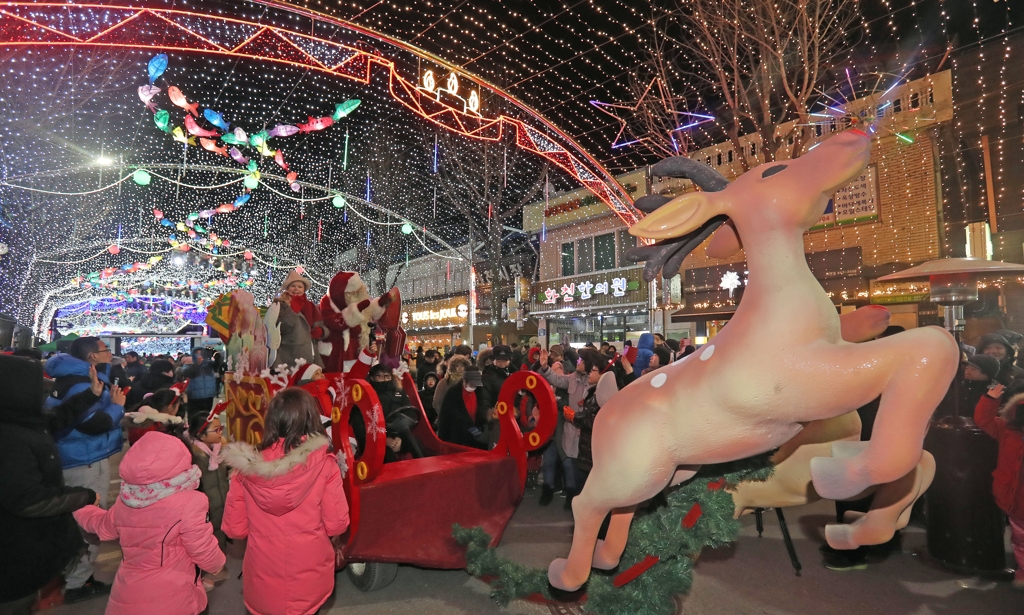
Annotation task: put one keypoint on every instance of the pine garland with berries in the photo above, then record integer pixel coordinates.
(664, 541)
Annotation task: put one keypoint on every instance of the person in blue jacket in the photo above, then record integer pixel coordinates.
(87, 444)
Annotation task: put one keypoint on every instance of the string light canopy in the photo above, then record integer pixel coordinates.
(89, 165)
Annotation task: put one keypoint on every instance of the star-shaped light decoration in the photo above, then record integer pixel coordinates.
(686, 121)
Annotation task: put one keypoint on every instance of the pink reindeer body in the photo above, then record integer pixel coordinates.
(780, 362)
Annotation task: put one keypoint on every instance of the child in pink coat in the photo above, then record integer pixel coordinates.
(286, 497)
(161, 522)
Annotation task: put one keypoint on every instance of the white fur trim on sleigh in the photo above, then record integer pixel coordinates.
(247, 460)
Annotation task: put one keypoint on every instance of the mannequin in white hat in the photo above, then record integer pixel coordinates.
(299, 322)
(293, 291)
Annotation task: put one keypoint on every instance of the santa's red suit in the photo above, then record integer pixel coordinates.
(348, 312)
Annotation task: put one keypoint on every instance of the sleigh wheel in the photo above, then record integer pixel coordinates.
(372, 576)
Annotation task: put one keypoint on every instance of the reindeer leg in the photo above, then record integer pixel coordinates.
(609, 550)
(915, 369)
(570, 574)
(890, 510)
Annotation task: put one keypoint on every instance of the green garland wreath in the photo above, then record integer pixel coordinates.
(664, 541)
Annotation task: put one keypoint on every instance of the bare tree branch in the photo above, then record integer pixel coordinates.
(760, 60)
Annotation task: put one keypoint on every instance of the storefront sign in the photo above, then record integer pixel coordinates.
(615, 287)
(571, 291)
(886, 293)
(856, 202)
(451, 312)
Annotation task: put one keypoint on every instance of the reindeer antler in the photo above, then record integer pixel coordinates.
(667, 256)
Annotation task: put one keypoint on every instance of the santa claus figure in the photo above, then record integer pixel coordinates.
(349, 313)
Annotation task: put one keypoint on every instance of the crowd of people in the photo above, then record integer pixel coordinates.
(186, 491)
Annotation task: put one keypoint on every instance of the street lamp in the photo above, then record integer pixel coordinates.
(965, 527)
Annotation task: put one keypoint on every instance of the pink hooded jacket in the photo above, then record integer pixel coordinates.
(288, 506)
(161, 522)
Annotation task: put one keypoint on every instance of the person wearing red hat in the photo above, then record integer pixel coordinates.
(348, 312)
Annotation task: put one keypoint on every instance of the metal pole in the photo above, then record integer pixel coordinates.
(472, 287)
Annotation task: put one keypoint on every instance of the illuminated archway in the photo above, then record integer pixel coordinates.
(317, 42)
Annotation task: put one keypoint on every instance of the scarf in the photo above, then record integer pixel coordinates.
(214, 455)
(469, 398)
(141, 496)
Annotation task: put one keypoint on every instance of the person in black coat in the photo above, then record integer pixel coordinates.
(998, 347)
(38, 536)
(160, 376)
(462, 418)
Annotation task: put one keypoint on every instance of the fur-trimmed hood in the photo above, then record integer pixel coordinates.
(1009, 409)
(279, 482)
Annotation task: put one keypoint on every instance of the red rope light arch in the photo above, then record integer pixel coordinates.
(125, 26)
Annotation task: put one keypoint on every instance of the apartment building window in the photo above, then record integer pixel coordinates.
(626, 243)
(585, 255)
(719, 159)
(604, 252)
(931, 97)
(915, 100)
(568, 258)
(729, 155)
(897, 105)
(707, 161)
(753, 150)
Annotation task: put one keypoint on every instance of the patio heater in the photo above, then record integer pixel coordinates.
(965, 527)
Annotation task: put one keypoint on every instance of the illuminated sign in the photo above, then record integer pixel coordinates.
(450, 312)
(571, 291)
(853, 203)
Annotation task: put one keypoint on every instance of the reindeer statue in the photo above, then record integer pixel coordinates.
(781, 361)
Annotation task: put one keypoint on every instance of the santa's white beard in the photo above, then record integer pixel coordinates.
(359, 318)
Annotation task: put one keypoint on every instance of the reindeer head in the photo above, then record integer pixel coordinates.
(772, 198)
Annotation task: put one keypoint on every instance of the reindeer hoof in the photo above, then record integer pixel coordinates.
(840, 536)
(604, 560)
(559, 579)
(837, 479)
(845, 449)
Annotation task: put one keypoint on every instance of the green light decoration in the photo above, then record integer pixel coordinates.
(259, 139)
(343, 109)
(141, 177)
(252, 166)
(904, 137)
(250, 182)
(339, 201)
(193, 216)
(407, 228)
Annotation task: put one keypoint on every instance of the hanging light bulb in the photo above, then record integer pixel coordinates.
(339, 201)
(141, 177)
(407, 228)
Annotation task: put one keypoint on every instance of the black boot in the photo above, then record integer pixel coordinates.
(546, 494)
(569, 495)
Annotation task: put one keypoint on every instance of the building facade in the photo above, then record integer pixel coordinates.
(887, 219)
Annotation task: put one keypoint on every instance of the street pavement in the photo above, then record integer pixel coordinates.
(751, 577)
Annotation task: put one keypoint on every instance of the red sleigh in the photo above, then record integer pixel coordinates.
(403, 512)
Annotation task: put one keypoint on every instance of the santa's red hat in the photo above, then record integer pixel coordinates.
(343, 282)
